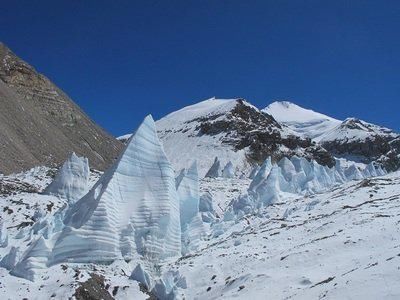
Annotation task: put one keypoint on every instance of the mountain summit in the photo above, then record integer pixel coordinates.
(305, 122)
(233, 130)
(40, 125)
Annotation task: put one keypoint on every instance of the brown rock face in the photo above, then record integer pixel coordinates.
(40, 125)
(246, 127)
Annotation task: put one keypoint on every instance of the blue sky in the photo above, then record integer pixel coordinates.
(120, 60)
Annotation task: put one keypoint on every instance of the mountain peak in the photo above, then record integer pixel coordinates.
(285, 111)
(306, 122)
(208, 107)
(233, 130)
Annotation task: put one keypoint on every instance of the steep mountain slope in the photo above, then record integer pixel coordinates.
(305, 122)
(232, 130)
(41, 125)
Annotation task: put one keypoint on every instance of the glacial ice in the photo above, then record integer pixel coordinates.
(370, 171)
(3, 235)
(296, 176)
(261, 175)
(140, 275)
(36, 257)
(132, 210)
(254, 171)
(71, 181)
(353, 173)
(206, 208)
(191, 222)
(10, 260)
(215, 170)
(228, 171)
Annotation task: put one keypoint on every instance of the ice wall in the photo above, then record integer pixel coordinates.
(71, 181)
(191, 222)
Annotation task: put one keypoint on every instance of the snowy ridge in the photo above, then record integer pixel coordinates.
(235, 132)
(305, 122)
(353, 139)
(353, 129)
(206, 108)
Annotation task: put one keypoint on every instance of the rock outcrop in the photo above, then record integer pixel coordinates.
(41, 125)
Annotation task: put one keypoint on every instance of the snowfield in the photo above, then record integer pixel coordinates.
(341, 244)
(344, 244)
(305, 122)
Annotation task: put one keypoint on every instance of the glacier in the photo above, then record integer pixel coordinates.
(3, 235)
(191, 222)
(254, 171)
(132, 211)
(296, 176)
(72, 180)
(215, 169)
(206, 208)
(228, 171)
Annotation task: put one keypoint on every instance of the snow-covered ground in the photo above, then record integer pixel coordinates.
(341, 244)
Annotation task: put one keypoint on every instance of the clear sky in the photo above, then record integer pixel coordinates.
(121, 60)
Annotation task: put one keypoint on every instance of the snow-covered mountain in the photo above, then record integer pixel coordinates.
(235, 132)
(352, 139)
(238, 133)
(305, 122)
(353, 129)
(358, 140)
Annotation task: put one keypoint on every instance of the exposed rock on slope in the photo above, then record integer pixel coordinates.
(41, 125)
(353, 139)
(232, 130)
(367, 141)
